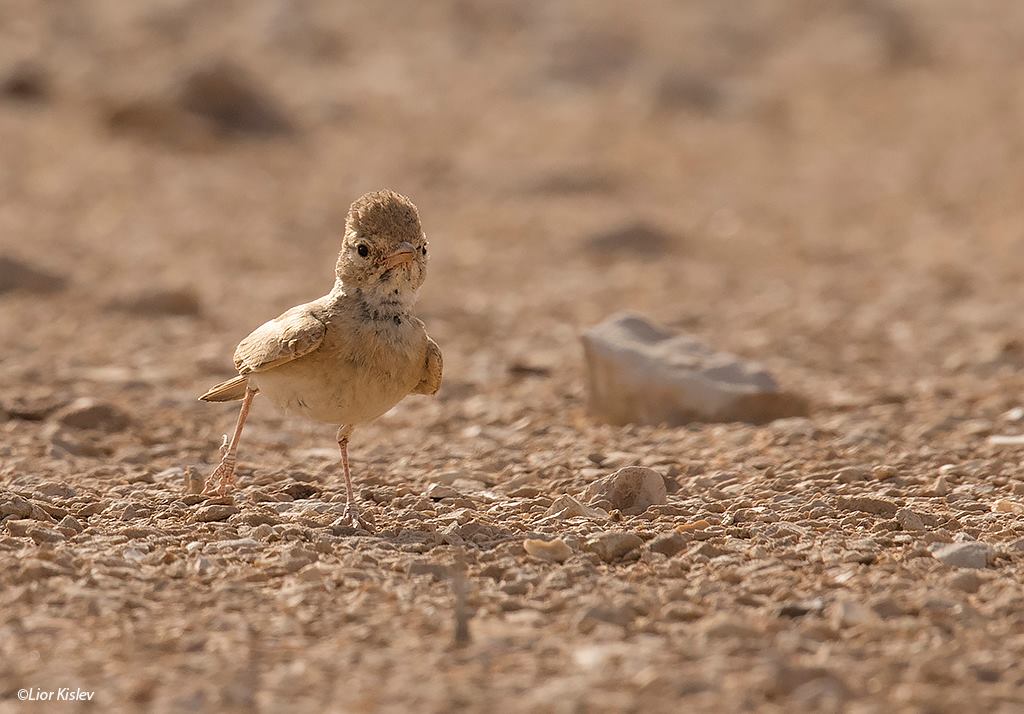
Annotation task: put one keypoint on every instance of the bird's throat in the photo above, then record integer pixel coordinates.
(378, 305)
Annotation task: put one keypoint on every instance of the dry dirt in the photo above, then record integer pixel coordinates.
(832, 188)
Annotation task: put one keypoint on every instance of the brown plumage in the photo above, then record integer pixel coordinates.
(348, 357)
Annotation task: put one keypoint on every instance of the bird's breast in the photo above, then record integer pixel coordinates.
(362, 369)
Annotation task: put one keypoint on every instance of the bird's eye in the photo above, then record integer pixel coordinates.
(362, 250)
(424, 249)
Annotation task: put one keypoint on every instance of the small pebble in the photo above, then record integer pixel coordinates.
(695, 526)
(555, 550)
(216, 512)
(1006, 506)
(964, 555)
(613, 545)
(909, 520)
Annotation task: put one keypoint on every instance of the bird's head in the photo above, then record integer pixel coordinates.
(384, 249)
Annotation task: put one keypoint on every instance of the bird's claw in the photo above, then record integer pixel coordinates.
(220, 481)
(351, 518)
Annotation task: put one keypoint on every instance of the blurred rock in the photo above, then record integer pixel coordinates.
(901, 42)
(640, 373)
(523, 370)
(619, 614)
(964, 555)
(14, 505)
(681, 90)
(54, 489)
(297, 557)
(698, 525)
(613, 545)
(63, 443)
(883, 472)
(1015, 414)
(849, 613)
(668, 544)
(636, 239)
(725, 626)
(867, 504)
(35, 406)
(18, 527)
(18, 275)
(41, 535)
(1006, 440)
(814, 683)
(631, 490)
(576, 181)
(159, 121)
(26, 82)
(1004, 505)
(438, 491)
(231, 99)
(301, 34)
(215, 512)
(150, 302)
(194, 481)
(566, 506)
(801, 608)
(555, 550)
(86, 413)
(590, 58)
(35, 569)
(436, 571)
(299, 490)
(909, 520)
(967, 581)
(851, 474)
(70, 523)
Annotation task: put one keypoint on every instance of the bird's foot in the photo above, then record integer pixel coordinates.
(353, 518)
(221, 481)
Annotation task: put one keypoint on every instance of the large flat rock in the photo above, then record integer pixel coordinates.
(640, 373)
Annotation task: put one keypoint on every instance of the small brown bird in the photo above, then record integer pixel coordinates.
(351, 355)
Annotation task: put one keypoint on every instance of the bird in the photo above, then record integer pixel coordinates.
(348, 357)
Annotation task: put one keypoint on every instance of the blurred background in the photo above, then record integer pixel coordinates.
(831, 187)
(836, 183)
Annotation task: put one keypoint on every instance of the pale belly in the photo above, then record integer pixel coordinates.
(342, 388)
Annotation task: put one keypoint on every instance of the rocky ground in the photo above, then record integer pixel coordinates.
(830, 188)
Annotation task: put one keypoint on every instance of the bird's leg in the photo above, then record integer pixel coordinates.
(351, 515)
(223, 477)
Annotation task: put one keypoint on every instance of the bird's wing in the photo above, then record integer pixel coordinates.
(288, 337)
(432, 369)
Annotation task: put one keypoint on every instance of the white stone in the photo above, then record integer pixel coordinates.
(641, 373)
(1015, 414)
(964, 555)
(1006, 440)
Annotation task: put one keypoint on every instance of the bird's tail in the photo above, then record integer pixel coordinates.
(228, 391)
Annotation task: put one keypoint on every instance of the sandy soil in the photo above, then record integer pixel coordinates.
(832, 188)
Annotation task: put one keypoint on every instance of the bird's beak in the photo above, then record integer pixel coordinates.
(404, 253)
